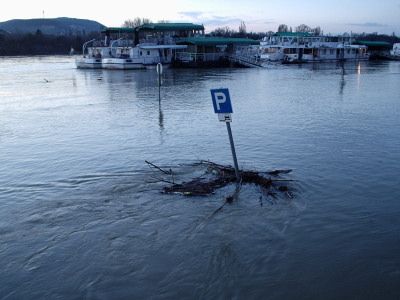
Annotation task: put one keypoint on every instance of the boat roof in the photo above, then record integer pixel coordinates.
(118, 30)
(169, 27)
(214, 41)
(149, 47)
(293, 34)
(375, 44)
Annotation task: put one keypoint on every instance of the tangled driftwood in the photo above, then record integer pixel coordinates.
(220, 176)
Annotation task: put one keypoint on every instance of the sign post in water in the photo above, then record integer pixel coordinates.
(159, 72)
(223, 107)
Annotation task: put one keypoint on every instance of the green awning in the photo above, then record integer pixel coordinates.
(293, 34)
(374, 44)
(214, 41)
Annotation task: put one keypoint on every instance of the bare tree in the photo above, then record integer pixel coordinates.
(317, 31)
(303, 28)
(128, 23)
(136, 22)
(222, 31)
(283, 28)
(242, 29)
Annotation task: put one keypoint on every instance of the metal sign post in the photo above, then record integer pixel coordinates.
(159, 72)
(223, 107)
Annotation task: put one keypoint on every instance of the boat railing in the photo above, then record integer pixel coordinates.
(246, 59)
(121, 42)
(85, 45)
(157, 41)
(198, 57)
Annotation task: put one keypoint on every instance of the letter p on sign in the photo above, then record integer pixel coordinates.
(221, 101)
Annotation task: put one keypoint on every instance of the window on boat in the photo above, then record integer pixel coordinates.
(148, 52)
(141, 53)
(331, 51)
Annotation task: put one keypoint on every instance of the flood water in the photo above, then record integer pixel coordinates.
(82, 216)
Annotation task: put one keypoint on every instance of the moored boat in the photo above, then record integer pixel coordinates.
(93, 58)
(395, 52)
(302, 47)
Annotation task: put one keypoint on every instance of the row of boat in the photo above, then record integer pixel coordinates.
(164, 45)
(301, 47)
(121, 54)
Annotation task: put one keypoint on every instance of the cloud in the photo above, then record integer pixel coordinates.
(212, 21)
(220, 21)
(267, 22)
(191, 14)
(367, 24)
(207, 18)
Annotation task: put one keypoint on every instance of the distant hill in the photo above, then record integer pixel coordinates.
(3, 32)
(57, 26)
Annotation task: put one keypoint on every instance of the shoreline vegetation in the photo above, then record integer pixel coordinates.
(39, 43)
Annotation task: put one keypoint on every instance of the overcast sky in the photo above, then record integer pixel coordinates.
(333, 16)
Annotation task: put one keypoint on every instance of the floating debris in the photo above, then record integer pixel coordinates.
(217, 176)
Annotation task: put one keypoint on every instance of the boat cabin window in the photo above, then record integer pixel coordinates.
(148, 52)
(331, 51)
(141, 53)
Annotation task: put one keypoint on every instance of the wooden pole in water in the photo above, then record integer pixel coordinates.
(159, 72)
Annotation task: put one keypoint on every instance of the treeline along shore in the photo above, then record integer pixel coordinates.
(41, 44)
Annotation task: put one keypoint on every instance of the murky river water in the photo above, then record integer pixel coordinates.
(82, 216)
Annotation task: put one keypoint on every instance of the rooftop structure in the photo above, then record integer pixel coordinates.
(215, 41)
(169, 27)
(293, 34)
(375, 44)
(165, 33)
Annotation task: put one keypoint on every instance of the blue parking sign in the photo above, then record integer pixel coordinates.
(221, 101)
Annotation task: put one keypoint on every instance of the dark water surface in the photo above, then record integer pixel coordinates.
(81, 216)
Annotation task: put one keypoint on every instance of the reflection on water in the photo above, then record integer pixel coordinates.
(81, 215)
(342, 80)
(160, 117)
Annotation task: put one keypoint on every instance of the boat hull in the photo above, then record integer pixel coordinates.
(88, 63)
(121, 64)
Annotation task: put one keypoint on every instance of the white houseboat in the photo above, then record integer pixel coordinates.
(299, 47)
(136, 48)
(395, 52)
(93, 58)
(139, 57)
